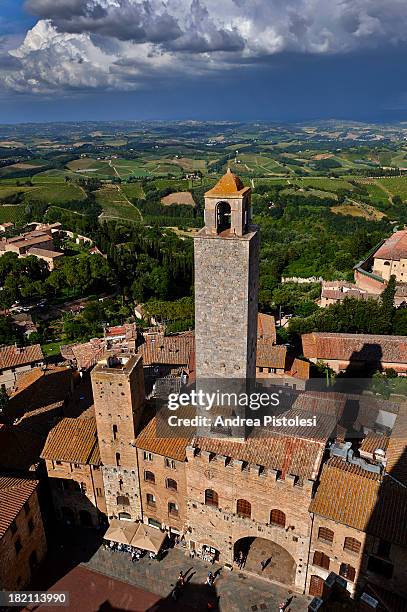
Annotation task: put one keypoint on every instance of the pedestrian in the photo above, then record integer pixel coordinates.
(263, 564)
(181, 579)
(191, 553)
(240, 559)
(210, 579)
(175, 593)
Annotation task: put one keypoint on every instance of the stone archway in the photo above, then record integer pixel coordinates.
(280, 567)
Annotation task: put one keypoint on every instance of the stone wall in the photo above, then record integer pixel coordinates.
(118, 394)
(388, 267)
(221, 527)
(226, 292)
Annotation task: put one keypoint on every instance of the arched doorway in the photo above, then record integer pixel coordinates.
(279, 564)
(223, 217)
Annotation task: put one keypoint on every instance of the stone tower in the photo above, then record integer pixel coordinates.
(226, 284)
(118, 392)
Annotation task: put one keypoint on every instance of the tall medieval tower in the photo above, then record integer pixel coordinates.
(118, 392)
(226, 284)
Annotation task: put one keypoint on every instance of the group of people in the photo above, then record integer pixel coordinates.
(240, 559)
(135, 553)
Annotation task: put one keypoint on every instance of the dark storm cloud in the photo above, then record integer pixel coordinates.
(123, 44)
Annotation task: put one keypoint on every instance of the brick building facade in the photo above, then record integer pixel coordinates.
(22, 536)
(118, 393)
(73, 464)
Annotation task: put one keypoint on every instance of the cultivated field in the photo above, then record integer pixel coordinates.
(115, 204)
(179, 197)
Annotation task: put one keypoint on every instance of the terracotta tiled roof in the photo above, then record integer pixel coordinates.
(31, 240)
(319, 402)
(44, 253)
(390, 601)
(169, 350)
(229, 184)
(149, 439)
(14, 492)
(269, 355)
(12, 356)
(19, 449)
(74, 441)
(350, 495)
(362, 347)
(86, 354)
(266, 326)
(394, 248)
(300, 369)
(372, 442)
(39, 389)
(290, 450)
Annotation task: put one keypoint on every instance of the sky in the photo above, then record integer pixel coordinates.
(276, 60)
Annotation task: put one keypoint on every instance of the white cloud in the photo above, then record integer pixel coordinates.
(121, 44)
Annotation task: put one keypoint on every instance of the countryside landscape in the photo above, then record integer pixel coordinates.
(324, 195)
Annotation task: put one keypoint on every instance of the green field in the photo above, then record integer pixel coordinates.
(13, 214)
(132, 190)
(115, 205)
(396, 185)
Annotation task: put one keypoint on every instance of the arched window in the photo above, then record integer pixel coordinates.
(277, 517)
(352, 545)
(171, 484)
(321, 559)
(223, 217)
(118, 459)
(122, 500)
(244, 508)
(347, 571)
(149, 476)
(386, 263)
(172, 509)
(150, 500)
(326, 535)
(211, 498)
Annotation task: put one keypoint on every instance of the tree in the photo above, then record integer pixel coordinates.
(387, 303)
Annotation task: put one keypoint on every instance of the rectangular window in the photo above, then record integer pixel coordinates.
(98, 492)
(170, 463)
(150, 500)
(148, 456)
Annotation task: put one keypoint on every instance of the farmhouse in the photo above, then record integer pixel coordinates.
(38, 243)
(15, 360)
(391, 257)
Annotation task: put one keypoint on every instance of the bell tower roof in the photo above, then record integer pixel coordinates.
(229, 185)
